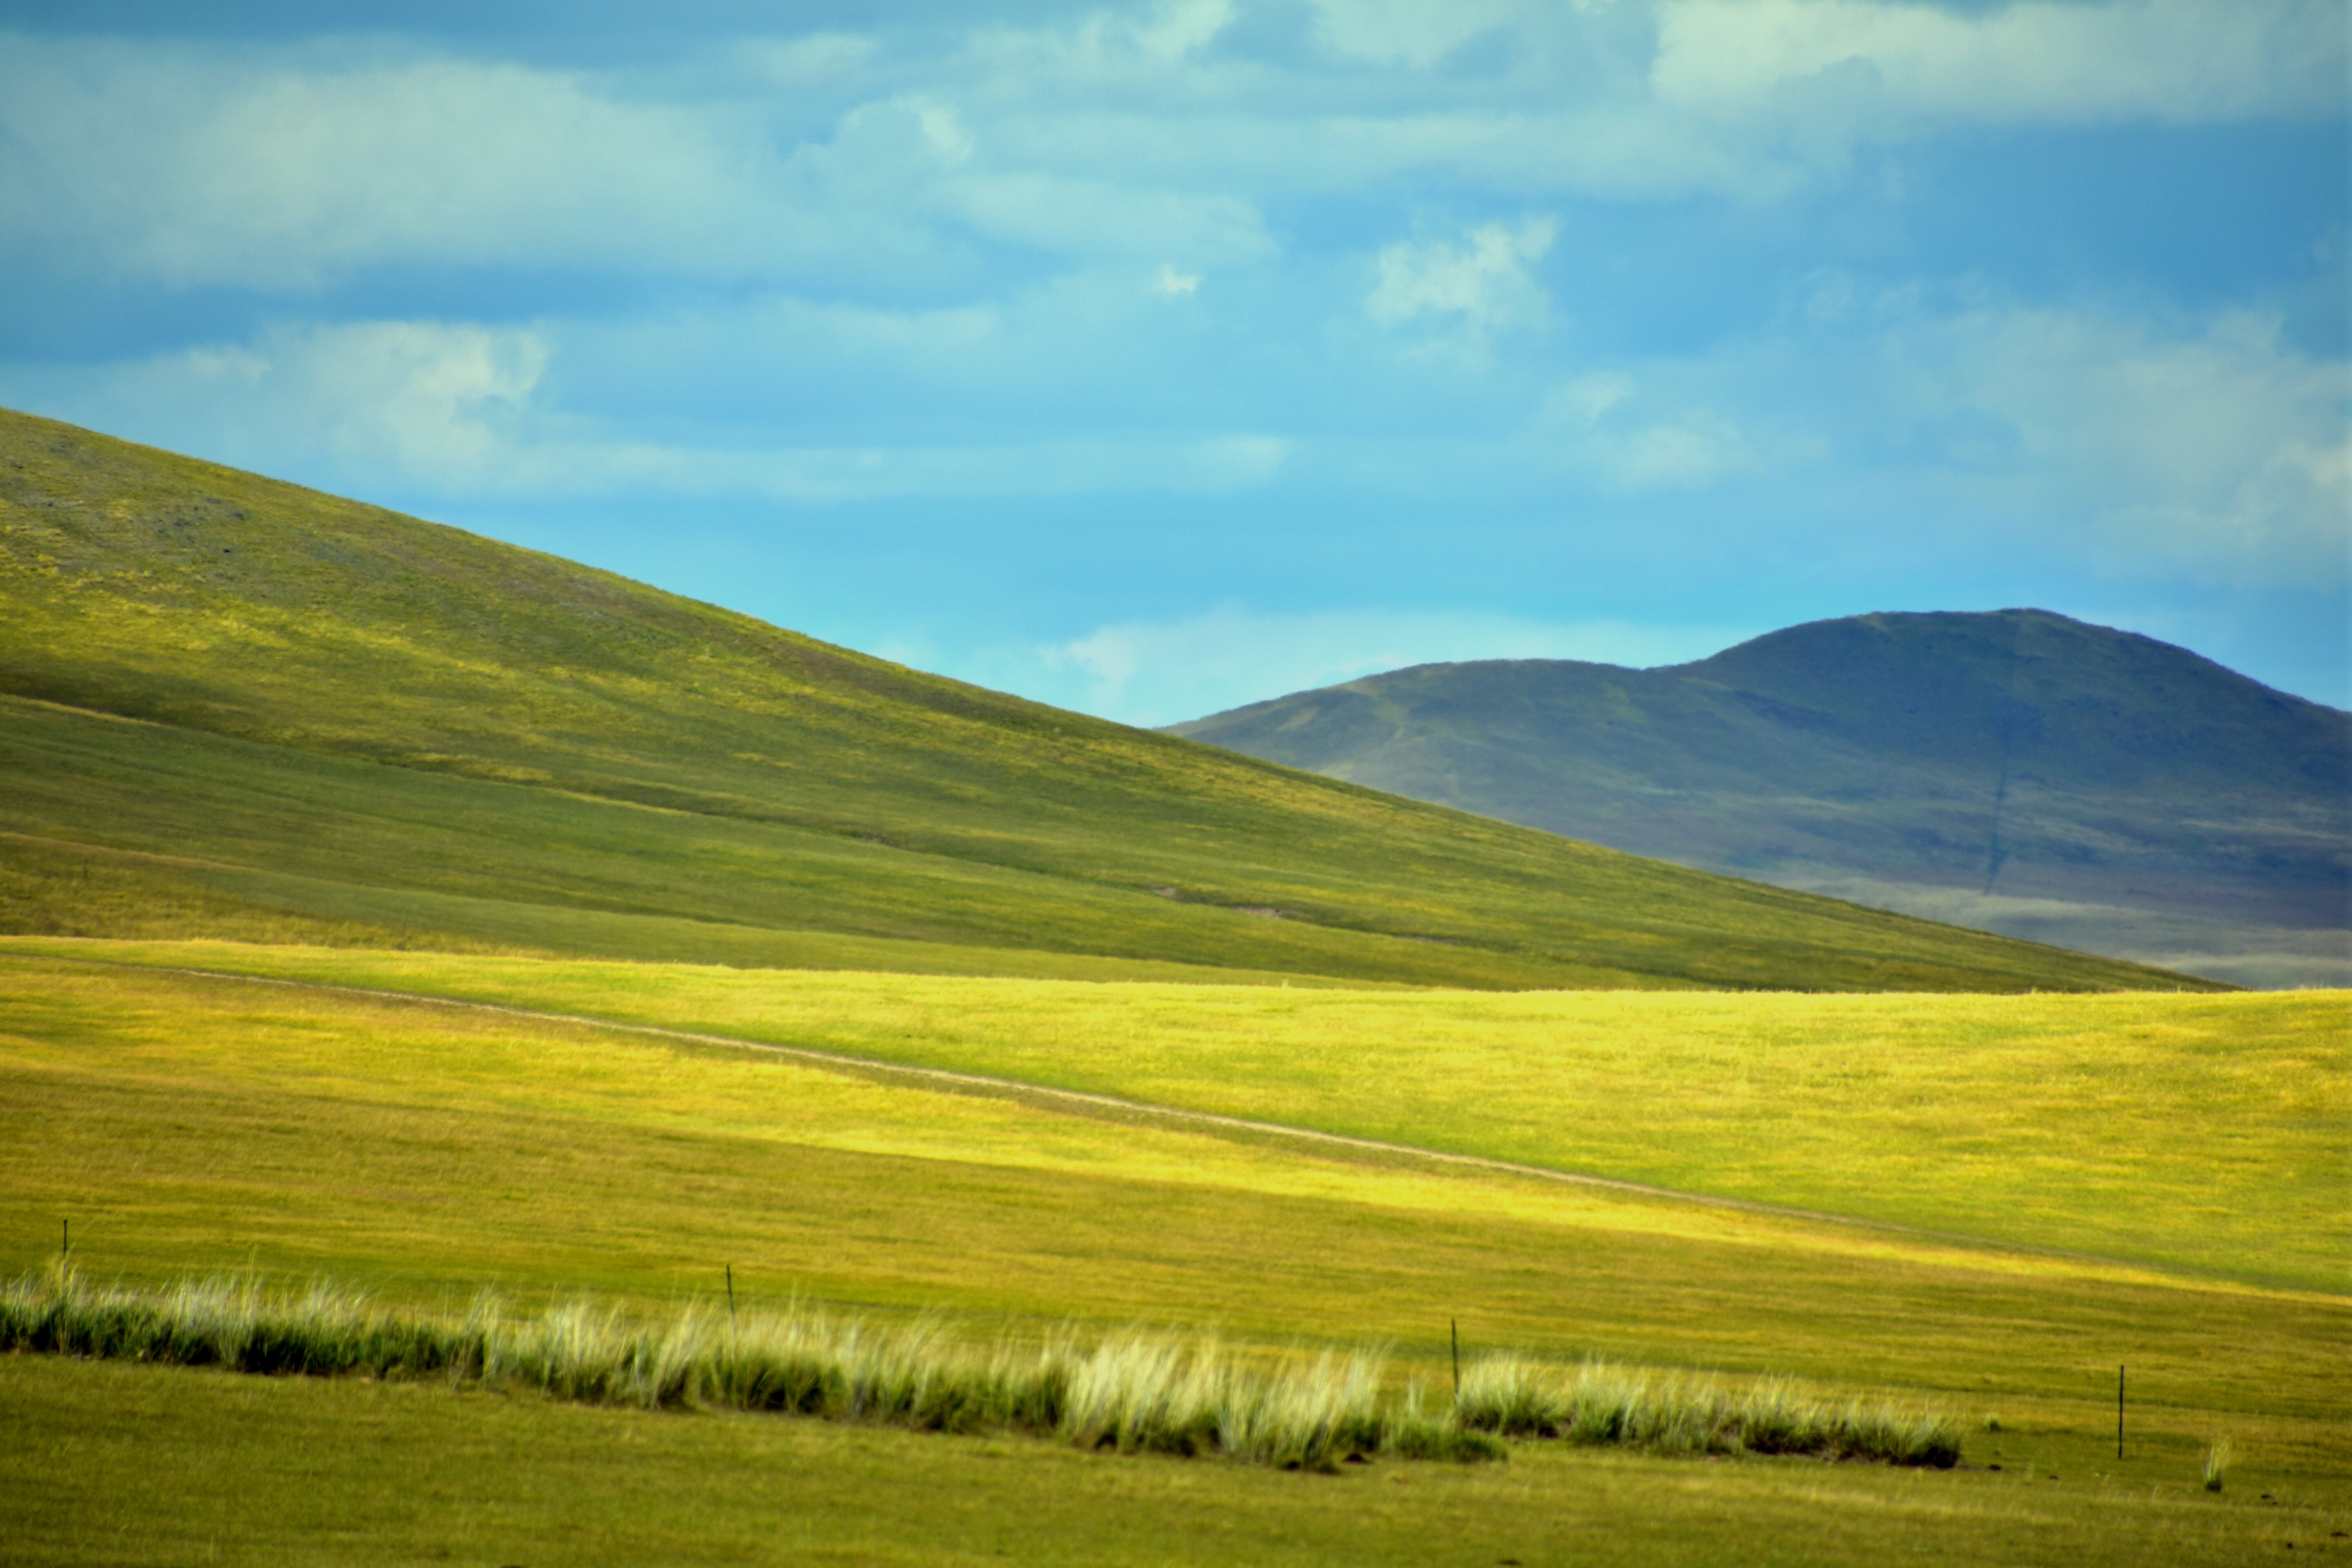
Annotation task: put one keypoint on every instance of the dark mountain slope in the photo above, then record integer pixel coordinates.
(2018, 771)
(375, 725)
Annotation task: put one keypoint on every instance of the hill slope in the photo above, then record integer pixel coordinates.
(2018, 771)
(236, 700)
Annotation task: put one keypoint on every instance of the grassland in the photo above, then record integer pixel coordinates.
(416, 1151)
(1134, 1392)
(202, 1468)
(189, 1123)
(2209, 1133)
(422, 780)
(1138, 1392)
(267, 709)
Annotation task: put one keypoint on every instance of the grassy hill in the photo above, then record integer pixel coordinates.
(2020, 771)
(237, 707)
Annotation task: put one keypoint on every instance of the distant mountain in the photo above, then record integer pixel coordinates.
(2018, 772)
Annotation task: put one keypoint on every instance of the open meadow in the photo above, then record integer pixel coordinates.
(191, 1123)
(804, 1052)
(630, 947)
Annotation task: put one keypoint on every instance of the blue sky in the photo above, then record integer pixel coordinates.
(1157, 359)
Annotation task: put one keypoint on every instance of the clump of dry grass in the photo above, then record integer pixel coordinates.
(2218, 1455)
(1680, 1414)
(1135, 1392)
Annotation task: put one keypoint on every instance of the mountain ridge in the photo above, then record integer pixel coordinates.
(2018, 767)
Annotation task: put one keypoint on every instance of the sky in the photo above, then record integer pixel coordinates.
(1152, 360)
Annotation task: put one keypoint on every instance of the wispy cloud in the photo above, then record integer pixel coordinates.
(2210, 447)
(1163, 671)
(1482, 281)
(1630, 442)
(453, 409)
(2221, 450)
(1892, 67)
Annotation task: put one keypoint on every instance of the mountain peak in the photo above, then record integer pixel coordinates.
(2015, 769)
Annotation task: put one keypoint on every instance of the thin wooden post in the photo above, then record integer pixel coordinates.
(2119, 1413)
(731, 1295)
(1454, 1327)
(64, 1239)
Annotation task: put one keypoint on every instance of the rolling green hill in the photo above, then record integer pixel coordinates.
(237, 707)
(2020, 771)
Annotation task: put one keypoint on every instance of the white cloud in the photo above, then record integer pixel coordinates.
(168, 164)
(455, 409)
(1090, 219)
(1691, 452)
(1119, 136)
(1629, 442)
(1178, 27)
(1108, 465)
(946, 266)
(1104, 48)
(944, 130)
(1483, 281)
(2035, 62)
(1161, 672)
(195, 170)
(401, 400)
(817, 60)
(1587, 399)
(2221, 450)
(1411, 33)
(2210, 450)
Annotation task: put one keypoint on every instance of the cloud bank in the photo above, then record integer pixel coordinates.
(1508, 317)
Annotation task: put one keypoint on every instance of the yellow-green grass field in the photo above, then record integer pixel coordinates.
(2210, 1133)
(187, 1124)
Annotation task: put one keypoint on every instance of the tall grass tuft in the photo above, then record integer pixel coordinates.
(2218, 1455)
(1134, 1392)
(1669, 1413)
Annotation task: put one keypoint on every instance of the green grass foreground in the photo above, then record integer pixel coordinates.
(414, 1150)
(192, 1466)
(1136, 1391)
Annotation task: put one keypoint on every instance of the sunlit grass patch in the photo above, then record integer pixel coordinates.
(2221, 1158)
